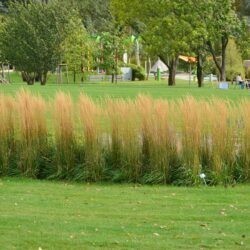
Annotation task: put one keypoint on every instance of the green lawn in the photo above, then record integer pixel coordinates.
(128, 90)
(54, 215)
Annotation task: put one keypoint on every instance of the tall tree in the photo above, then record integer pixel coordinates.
(233, 61)
(245, 7)
(222, 23)
(95, 15)
(3, 6)
(110, 50)
(163, 30)
(77, 48)
(32, 36)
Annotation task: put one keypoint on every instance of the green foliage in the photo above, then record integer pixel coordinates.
(32, 36)
(138, 73)
(243, 42)
(110, 50)
(1, 29)
(234, 64)
(78, 49)
(221, 23)
(95, 15)
(171, 28)
(160, 21)
(3, 6)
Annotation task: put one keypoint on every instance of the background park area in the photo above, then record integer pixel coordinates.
(124, 124)
(127, 89)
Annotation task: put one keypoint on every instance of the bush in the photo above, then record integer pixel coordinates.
(137, 72)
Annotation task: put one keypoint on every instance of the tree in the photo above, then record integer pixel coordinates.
(175, 27)
(77, 48)
(197, 36)
(214, 23)
(245, 7)
(110, 50)
(233, 61)
(32, 37)
(222, 23)
(1, 28)
(95, 15)
(164, 31)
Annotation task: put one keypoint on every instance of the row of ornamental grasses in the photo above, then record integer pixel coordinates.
(142, 140)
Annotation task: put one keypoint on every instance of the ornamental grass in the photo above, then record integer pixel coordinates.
(116, 140)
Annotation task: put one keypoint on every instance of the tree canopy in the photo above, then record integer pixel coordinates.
(173, 27)
(32, 35)
(36, 35)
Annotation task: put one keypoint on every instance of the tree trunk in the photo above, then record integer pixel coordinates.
(23, 76)
(148, 67)
(172, 66)
(43, 79)
(38, 77)
(2, 67)
(224, 42)
(221, 67)
(28, 77)
(137, 52)
(74, 76)
(200, 70)
(30, 82)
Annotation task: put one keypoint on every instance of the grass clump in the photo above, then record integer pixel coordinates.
(141, 140)
(93, 165)
(124, 149)
(64, 136)
(32, 132)
(7, 134)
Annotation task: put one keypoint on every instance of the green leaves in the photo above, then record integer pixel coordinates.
(33, 33)
(77, 47)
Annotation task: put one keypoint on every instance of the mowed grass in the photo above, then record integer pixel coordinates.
(56, 215)
(127, 89)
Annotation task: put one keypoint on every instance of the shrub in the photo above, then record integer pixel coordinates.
(137, 72)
